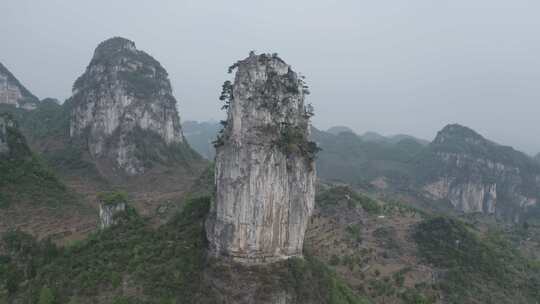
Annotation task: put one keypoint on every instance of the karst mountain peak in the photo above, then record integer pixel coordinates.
(124, 96)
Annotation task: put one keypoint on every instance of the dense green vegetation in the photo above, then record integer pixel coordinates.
(476, 268)
(26, 178)
(151, 149)
(48, 119)
(314, 282)
(337, 195)
(48, 124)
(346, 157)
(24, 257)
(113, 197)
(305, 281)
(142, 83)
(163, 265)
(294, 140)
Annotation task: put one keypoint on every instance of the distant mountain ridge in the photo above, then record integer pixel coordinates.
(478, 175)
(339, 129)
(461, 167)
(371, 136)
(200, 136)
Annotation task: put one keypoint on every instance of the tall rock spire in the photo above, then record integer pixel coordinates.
(123, 95)
(265, 171)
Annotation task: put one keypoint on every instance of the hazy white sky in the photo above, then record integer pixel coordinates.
(389, 66)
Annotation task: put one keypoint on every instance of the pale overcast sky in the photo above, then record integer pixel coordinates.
(388, 66)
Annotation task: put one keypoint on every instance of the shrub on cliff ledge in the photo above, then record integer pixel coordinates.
(113, 198)
(294, 140)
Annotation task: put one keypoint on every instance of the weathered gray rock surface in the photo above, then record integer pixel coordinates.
(107, 212)
(477, 175)
(12, 92)
(265, 172)
(123, 96)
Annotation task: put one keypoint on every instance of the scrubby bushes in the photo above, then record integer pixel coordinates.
(476, 268)
(164, 265)
(26, 178)
(338, 195)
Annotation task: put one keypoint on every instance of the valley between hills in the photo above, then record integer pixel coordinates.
(108, 197)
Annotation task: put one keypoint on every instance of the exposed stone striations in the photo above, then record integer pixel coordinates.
(123, 95)
(110, 205)
(107, 213)
(477, 175)
(12, 92)
(265, 171)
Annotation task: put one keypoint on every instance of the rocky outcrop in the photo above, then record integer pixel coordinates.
(477, 175)
(110, 205)
(4, 148)
(12, 92)
(467, 196)
(265, 171)
(107, 213)
(123, 97)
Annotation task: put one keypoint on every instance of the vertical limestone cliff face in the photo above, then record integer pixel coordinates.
(12, 92)
(265, 172)
(107, 213)
(123, 97)
(110, 205)
(473, 195)
(477, 175)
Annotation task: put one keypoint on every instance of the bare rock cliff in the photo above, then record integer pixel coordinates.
(12, 92)
(265, 171)
(107, 213)
(123, 96)
(477, 175)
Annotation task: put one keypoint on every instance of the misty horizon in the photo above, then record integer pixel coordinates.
(406, 68)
